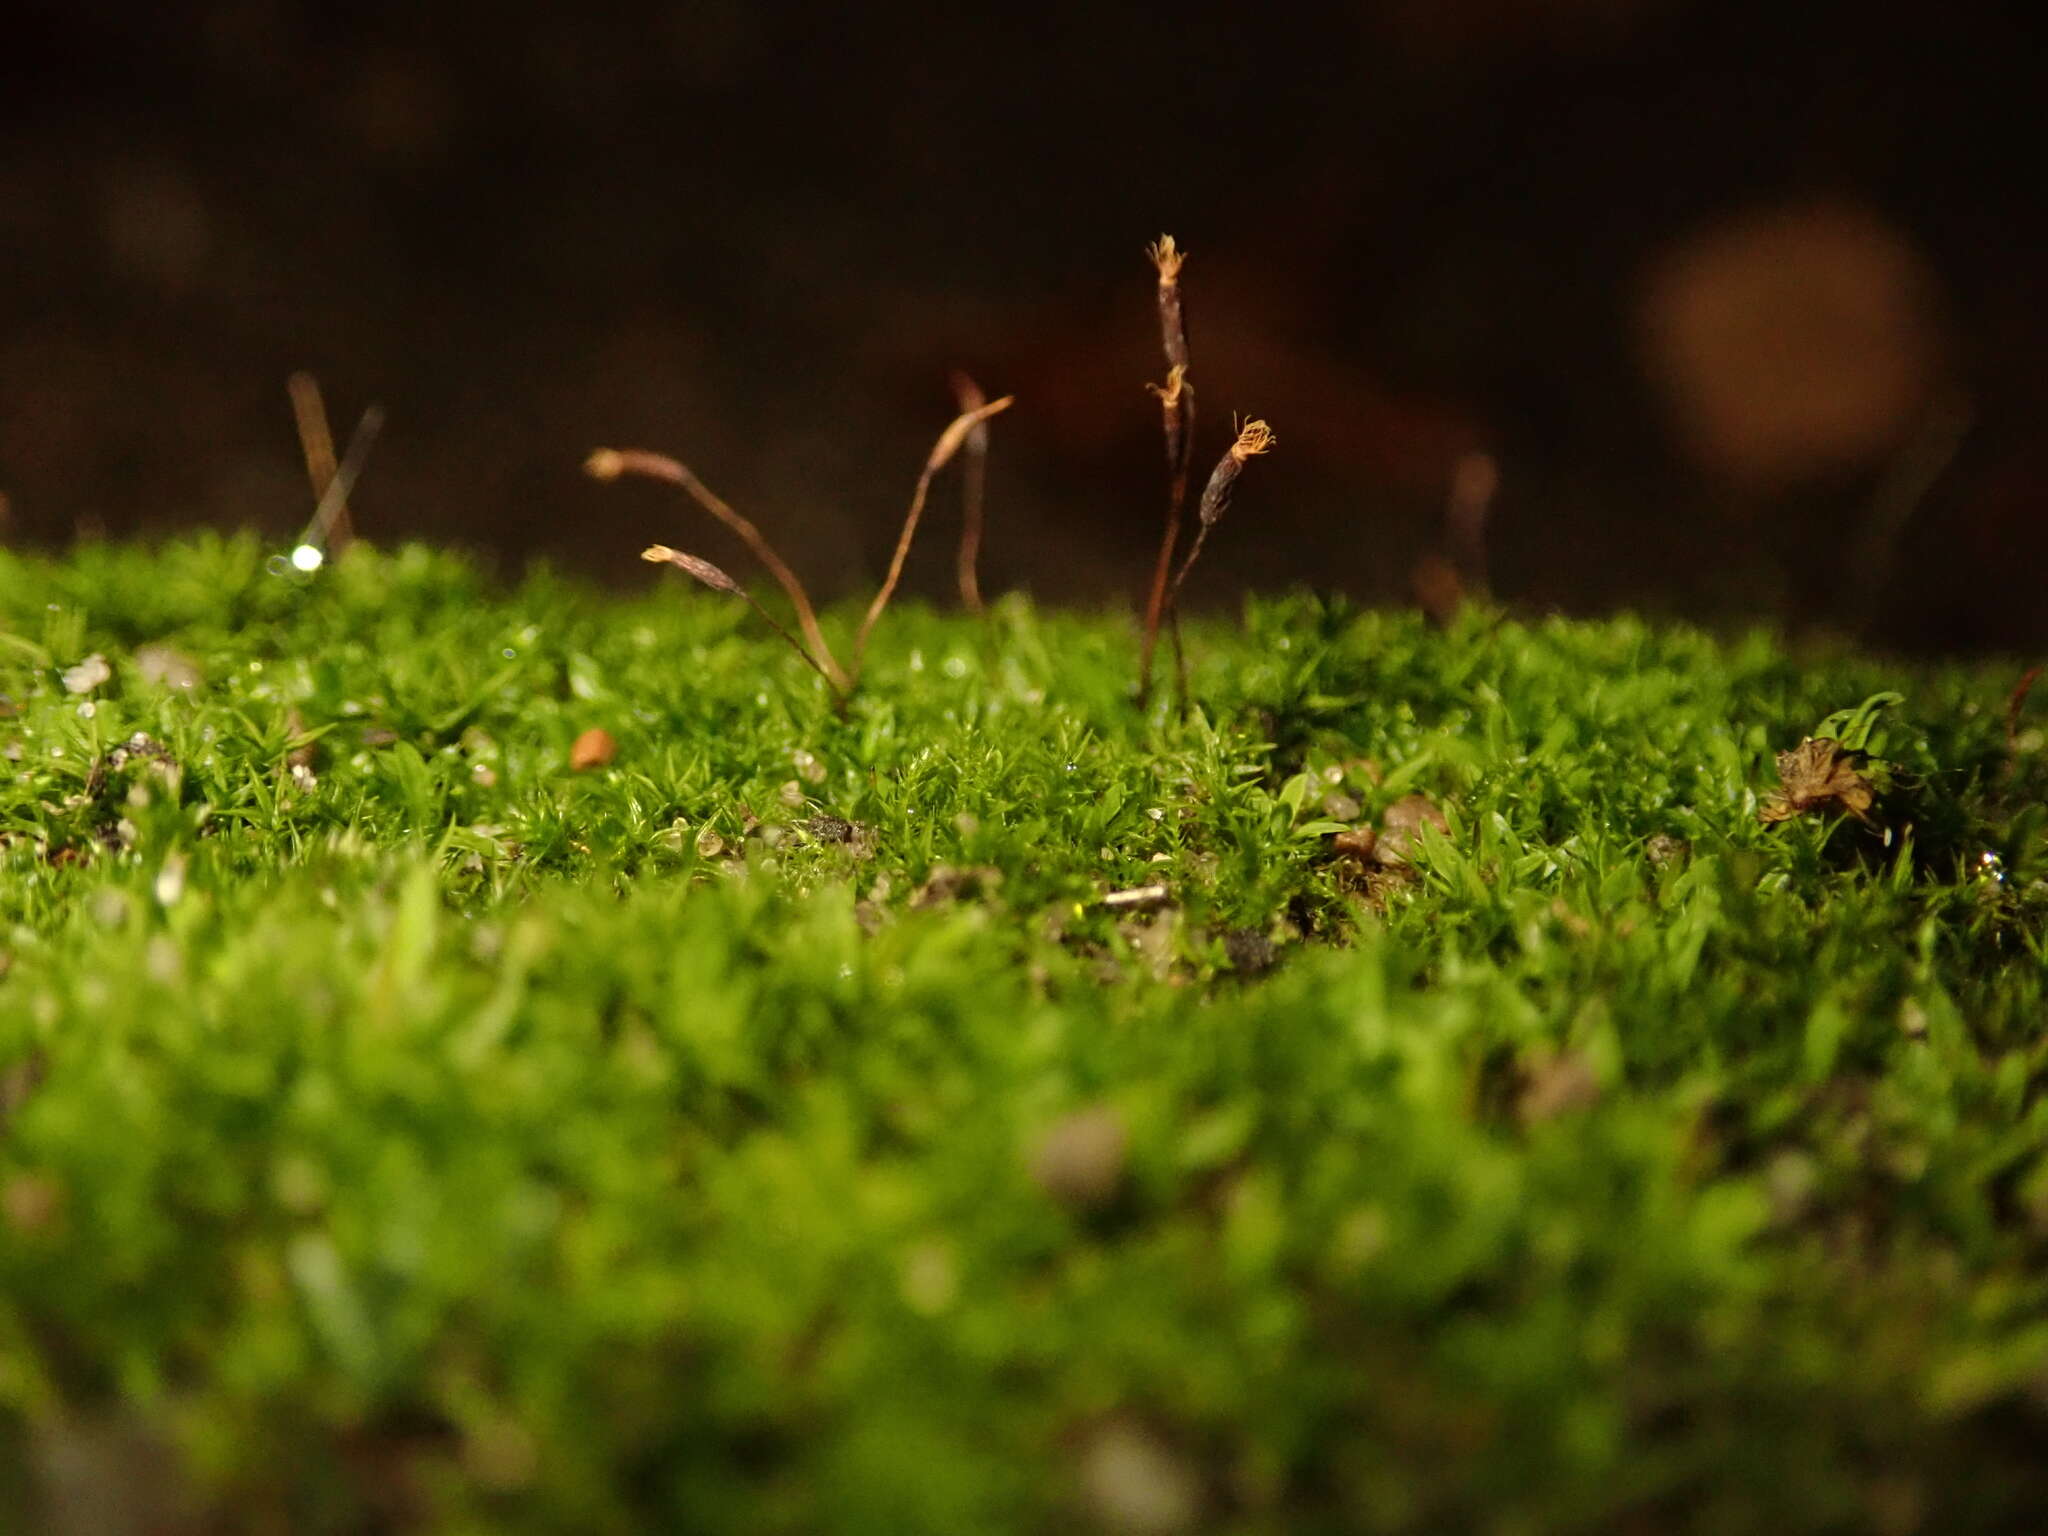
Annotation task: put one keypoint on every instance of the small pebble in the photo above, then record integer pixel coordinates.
(1357, 843)
(1139, 898)
(1401, 827)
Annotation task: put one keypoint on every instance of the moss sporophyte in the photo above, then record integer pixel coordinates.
(522, 1058)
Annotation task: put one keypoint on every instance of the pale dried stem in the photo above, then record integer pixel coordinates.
(718, 581)
(610, 463)
(949, 443)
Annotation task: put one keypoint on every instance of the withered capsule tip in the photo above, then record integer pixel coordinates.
(1256, 437)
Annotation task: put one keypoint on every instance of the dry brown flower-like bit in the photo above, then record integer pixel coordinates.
(1818, 775)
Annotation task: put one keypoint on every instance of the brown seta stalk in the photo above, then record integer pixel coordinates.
(611, 463)
(973, 491)
(718, 581)
(1256, 438)
(316, 446)
(957, 432)
(1177, 420)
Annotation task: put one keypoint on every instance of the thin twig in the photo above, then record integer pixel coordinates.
(718, 581)
(950, 440)
(1177, 420)
(973, 488)
(611, 463)
(316, 445)
(325, 516)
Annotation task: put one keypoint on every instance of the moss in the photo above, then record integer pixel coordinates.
(400, 1129)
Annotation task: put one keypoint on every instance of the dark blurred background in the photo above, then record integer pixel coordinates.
(1745, 299)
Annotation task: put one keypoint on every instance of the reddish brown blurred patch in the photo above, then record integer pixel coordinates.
(595, 748)
(1792, 342)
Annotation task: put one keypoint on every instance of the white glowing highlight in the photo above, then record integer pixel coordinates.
(307, 557)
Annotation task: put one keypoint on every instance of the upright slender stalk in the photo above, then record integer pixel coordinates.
(611, 463)
(956, 433)
(1177, 420)
(718, 581)
(1256, 438)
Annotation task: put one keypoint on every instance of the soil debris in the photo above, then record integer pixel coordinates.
(1401, 828)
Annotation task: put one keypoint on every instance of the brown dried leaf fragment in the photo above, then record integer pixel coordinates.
(1818, 776)
(593, 749)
